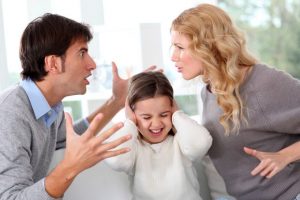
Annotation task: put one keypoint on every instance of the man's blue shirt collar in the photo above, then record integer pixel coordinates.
(39, 104)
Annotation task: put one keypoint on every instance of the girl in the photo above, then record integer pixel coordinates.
(165, 142)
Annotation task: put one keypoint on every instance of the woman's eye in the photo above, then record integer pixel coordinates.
(178, 47)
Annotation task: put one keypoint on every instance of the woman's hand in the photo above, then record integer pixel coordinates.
(270, 162)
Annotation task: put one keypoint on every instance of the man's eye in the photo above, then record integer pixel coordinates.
(82, 53)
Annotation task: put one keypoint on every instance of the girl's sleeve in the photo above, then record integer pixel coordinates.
(124, 162)
(194, 140)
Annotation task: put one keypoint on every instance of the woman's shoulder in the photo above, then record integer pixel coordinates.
(263, 76)
(260, 71)
(265, 71)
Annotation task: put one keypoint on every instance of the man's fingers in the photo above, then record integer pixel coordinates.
(106, 134)
(94, 126)
(115, 143)
(114, 70)
(109, 148)
(113, 153)
(153, 67)
(69, 123)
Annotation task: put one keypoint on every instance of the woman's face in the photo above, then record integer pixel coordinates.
(186, 64)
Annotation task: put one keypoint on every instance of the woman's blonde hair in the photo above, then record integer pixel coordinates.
(221, 47)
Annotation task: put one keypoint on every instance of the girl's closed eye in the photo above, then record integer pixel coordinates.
(166, 114)
(146, 117)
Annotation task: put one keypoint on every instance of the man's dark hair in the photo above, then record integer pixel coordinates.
(49, 34)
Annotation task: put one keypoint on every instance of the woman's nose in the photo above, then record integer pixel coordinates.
(174, 56)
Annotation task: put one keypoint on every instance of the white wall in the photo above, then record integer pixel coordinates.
(3, 69)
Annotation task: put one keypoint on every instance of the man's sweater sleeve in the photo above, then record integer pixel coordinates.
(81, 126)
(194, 140)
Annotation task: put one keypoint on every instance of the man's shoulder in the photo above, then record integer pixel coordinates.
(13, 97)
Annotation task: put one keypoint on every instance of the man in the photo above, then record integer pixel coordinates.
(55, 61)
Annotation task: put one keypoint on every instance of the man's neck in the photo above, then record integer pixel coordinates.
(51, 94)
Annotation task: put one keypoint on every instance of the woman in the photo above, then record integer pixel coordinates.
(252, 111)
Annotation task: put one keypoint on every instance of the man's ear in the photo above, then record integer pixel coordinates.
(52, 64)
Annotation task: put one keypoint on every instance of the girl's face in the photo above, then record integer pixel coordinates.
(189, 66)
(154, 118)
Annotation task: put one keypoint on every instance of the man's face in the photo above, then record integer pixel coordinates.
(76, 67)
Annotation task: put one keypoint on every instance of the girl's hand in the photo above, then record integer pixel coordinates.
(270, 162)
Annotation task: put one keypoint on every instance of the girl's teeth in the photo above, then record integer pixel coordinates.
(155, 131)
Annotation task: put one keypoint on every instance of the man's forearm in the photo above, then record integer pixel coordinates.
(59, 180)
(109, 109)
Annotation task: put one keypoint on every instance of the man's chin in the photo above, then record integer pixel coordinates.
(81, 92)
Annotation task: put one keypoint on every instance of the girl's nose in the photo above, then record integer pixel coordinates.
(156, 123)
